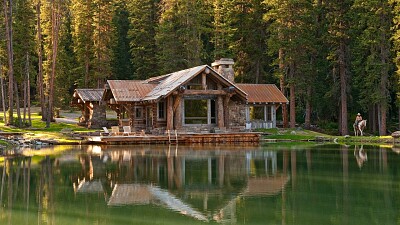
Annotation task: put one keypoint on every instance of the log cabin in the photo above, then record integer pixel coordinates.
(202, 99)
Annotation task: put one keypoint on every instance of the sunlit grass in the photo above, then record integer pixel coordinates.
(304, 135)
(290, 134)
(38, 130)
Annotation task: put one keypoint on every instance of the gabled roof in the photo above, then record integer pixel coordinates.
(129, 90)
(89, 95)
(142, 194)
(173, 81)
(263, 93)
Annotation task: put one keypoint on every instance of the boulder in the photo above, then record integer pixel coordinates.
(396, 134)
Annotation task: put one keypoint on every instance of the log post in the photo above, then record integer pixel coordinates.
(177, 108)
(170, 113)
(204, 81)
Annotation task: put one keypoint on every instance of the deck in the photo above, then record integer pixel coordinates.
(186, 138)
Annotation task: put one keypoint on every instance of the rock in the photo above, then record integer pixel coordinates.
(396, 134)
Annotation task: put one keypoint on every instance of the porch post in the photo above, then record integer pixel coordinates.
(273, 115)
(170, 112)
(265, 113)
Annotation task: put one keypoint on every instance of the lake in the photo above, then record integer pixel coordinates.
(202, 184)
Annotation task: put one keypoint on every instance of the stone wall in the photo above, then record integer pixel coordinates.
(98, 117)
(237, 116)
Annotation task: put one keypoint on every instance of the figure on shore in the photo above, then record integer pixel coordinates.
(358, 119)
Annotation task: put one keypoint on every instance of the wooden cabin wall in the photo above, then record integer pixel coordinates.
(139, 123)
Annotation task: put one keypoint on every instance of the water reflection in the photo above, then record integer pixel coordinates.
(360, 154)
(223, 184)
(183, 180)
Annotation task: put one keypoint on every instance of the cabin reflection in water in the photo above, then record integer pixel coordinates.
(187, 180)
(231, 184)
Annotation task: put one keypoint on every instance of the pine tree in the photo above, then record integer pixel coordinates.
(52, 17)
(82, 33)
(338, 19)
(247, 35)
(102, 37)
(121, 65)
(24, 46)
(291, 36)
(179, 34)
(372, 64)
(8, 9)
(143, 18)
(222, 29)
(396, 48)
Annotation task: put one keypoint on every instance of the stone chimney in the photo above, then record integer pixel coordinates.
(224, 66)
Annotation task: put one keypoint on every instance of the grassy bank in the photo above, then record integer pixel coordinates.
(60, 131)
(57, 131)
(308, 135)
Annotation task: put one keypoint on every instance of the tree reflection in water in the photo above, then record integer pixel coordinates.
(223, 184)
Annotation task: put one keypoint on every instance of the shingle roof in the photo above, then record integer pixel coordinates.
(90, 95)
(129, 90)
(263, 93)
(172, 81)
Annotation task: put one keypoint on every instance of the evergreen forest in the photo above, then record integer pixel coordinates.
(332, 59)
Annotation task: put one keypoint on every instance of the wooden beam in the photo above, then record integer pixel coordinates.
(204, 81)
(205, 92)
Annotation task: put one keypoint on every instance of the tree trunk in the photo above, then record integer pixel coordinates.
(3, 97)
(55, 18)
(40, 63)
(372, 118)
(17, 104)
(258, 71)
(282, 87)
(28, 96)
(343, 88)
(26, 87)
(384, 55)
(10, 53)
(307, 121)
(292, 96)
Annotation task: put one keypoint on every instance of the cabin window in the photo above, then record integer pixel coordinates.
(257, 113)
(161, 110)
(138, 112)
(196, 111)
(200, 111)
(260, 113)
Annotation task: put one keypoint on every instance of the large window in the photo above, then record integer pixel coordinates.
(257, 113)
(200, 111)
(260, 113)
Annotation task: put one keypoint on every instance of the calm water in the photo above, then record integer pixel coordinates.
(324, 184)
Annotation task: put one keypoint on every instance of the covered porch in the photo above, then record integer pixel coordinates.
(262, 104)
